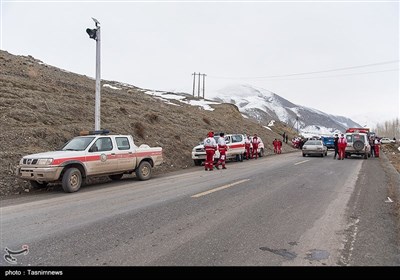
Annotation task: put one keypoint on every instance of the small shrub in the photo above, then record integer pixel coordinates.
(207, 121)
(139, 129)
(123, 110)
(153, 118)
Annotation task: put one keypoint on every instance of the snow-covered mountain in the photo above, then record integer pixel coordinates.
(264, 106)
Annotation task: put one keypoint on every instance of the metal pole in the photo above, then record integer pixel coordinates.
(198, 90)
(204, 83)
(194, 81)
(97, 101)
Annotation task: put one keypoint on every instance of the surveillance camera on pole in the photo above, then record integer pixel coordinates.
(95, 34)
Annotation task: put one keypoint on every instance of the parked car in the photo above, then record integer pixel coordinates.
(386, 140)
(314, 147)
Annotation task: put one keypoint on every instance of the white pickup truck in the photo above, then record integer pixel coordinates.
(91, 155)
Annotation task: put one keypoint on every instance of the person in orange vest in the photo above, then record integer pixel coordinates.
(342, 143)
(210, 146)
(222, 148)
(254, 142)
(247, 146)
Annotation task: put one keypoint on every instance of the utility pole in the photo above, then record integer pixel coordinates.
(204, 83)
(198, 87)
(194, 81)
(198, 83)
(95, 34)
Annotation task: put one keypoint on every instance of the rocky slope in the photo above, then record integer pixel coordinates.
(41, 107)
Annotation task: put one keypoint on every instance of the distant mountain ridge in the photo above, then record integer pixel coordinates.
(264, 106)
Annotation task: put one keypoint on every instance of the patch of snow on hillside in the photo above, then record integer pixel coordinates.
(110, 86)
(267, 127)
(313, 130)
(202, 103)
(250, 98)
(271, 123)
(165, 96)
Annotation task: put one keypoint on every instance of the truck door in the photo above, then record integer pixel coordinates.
(237, 144)
(107, 160)
(124, 154)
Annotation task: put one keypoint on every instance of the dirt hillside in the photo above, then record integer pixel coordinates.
(41, 107)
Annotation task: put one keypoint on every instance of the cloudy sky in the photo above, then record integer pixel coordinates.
(338, 57)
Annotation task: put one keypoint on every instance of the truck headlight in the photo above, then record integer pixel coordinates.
(45, 161)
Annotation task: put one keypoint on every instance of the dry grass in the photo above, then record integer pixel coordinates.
(42, 107)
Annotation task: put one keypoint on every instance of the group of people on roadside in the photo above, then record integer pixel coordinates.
(374, 143)
(277, 146)
(210, 145)
(251, 143)
(340, 144)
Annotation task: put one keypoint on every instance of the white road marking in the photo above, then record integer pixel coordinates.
(302, 162)
(220, 188)
(388, 199)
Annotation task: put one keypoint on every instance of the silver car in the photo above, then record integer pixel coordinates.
(314, 147)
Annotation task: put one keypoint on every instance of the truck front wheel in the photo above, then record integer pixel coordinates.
(143, 172)
(72, 180)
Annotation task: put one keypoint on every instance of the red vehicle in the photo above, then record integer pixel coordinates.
(361, 130)
(357, 130)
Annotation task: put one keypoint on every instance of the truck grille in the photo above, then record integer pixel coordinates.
(30, 161)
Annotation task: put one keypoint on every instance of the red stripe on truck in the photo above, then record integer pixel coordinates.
(59, 161)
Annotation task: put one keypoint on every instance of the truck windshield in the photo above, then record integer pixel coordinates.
(77, 144)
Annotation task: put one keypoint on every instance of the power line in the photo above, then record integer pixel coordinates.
(313, 72)
(341, 75)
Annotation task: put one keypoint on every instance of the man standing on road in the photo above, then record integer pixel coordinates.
(335, 145)
(372, 144)
(210, 146)
(222, 148)
(342, 143)
(247, 146)
(255, 141)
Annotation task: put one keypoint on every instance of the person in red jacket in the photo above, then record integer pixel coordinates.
(210, 146)
(342, 143)
(275, 144)
(254, 142)
(279, 146)
(222, 148)
(247, 146)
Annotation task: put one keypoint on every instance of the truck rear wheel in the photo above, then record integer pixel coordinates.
(72, 180)
(261, 154)
(197, 162)
(143, 172)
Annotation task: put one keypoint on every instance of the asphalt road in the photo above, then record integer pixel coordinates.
(278, 210)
